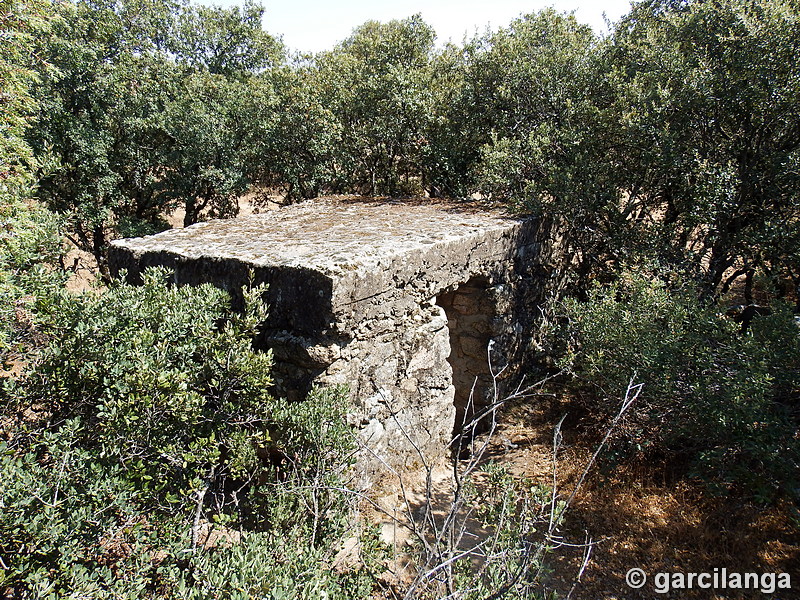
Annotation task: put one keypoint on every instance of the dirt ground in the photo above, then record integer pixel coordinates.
(641, 516)
(644, 517)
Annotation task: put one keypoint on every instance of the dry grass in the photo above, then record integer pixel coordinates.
(640, 515)
(644, 516)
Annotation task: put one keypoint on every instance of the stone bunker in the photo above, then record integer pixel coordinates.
(413, 305)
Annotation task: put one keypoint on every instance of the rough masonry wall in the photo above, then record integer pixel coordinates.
(356, 297)
(400, 382)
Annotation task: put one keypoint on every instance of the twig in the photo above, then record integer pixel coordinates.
(589, 545)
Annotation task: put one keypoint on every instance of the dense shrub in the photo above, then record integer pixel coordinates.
(712, 394)
(147, 107)
(74, 526)
(378, 85)
(146, 422)
(158, 377)
(30, 249)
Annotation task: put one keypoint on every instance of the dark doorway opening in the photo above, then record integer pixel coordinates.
(470, 312)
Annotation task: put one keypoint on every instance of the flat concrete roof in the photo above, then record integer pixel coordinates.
(329, 236)
(344, 252)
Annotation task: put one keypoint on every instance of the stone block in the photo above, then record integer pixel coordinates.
(355, 289)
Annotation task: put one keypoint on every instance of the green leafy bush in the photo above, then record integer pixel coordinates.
(68, 522)
(712, 394)
(30, 248)
(143, 456)
(489, 539)
(163, 379)
(75, 527)
(518, 513)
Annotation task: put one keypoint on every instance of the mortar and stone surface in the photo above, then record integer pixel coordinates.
(407, 303)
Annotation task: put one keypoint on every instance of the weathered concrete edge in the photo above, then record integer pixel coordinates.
(311, 301)
(424, 274)
(291, 306)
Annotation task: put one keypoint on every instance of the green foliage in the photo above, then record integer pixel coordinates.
(224, 41)
(20, 21)
(30, 241)
(207, 164)
(708, 111)
(300, 136)
(74, 526)
(534, 130)
(264, 566)
(452, 137)
(157, 382)
(491, 541)
(354, 119)
(518, 512)
(100, 115)
(377, 83)
(711, 394)
(145, 426)
(675, 139)
(30, 249)
(148, 108)
(65, 518)
(533, 81)
(315, 450)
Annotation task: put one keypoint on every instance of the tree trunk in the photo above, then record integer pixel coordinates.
(194, 208)
(748, 286)
(190, 216)
(100, 251)
(719, 262)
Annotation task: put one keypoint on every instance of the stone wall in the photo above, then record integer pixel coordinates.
(398, 301)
